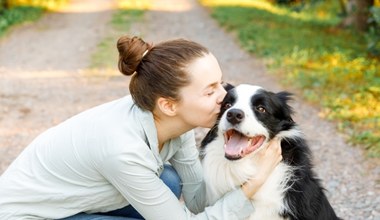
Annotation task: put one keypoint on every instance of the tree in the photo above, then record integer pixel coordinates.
(357, 14)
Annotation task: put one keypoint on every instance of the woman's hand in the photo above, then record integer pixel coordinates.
(266, 159)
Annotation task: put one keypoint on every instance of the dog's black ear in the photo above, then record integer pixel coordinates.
(228, 86)
(285, 97)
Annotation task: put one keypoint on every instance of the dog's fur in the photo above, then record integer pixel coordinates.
(293, 190)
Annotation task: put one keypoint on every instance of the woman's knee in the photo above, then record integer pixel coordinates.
(171, 178)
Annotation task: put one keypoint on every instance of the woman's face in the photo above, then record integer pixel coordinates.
(200, 100)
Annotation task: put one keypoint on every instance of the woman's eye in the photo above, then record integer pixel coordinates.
(227, 106)
(261, 109)
(210, 93)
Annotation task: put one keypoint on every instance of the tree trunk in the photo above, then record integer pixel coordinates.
(6, 4)
(358, 14)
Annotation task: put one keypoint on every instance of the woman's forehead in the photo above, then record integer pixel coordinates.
(205, 71)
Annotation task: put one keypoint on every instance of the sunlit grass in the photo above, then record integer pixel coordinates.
(329, 66)
(47, 4)
(134, 4)
(315, 14)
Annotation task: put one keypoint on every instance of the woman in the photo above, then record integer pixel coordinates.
(112, 156)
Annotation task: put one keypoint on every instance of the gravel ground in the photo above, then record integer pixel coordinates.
(43, 81)
(43, 75)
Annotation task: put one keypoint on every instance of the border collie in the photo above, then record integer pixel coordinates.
(250, 118)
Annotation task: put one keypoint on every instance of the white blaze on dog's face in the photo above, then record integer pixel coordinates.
(242, 130)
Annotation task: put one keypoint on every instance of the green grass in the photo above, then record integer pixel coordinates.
(329, 66)
(21, 11)
(18, 15)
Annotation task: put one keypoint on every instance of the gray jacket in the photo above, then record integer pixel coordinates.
(104, 159)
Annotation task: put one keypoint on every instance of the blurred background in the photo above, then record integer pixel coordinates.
(329, 49)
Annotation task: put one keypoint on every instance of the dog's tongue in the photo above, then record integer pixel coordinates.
(235, 144)
(238, 145)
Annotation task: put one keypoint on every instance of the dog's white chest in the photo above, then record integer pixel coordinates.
(222, 176)
(269, 200)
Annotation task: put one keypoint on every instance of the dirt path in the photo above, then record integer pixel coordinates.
(43, 73)
(31, 75)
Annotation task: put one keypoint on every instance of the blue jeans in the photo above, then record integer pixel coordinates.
(169, 176)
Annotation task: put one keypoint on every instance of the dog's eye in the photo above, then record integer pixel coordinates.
(227, 105)
(261, 109)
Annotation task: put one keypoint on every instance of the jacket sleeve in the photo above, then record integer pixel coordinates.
(140, 185)
(188, 166)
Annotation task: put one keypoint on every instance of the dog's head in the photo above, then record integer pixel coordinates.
(251, 116)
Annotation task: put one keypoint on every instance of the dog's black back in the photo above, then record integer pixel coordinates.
(305, 195)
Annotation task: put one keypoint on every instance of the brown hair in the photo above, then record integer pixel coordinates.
(158, 71)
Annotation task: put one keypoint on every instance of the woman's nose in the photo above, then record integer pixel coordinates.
(222, 94)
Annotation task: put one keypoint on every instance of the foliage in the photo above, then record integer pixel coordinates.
(373, 34)
(330, 66)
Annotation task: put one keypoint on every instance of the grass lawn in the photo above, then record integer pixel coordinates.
(17, 15)
(303, 47)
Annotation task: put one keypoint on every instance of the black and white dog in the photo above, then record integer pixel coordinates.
(250, 117)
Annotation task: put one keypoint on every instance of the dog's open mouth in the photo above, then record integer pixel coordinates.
(238, 145)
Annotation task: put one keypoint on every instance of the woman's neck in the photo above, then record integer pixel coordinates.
(168, 128)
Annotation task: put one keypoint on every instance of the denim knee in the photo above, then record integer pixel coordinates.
(171, 178)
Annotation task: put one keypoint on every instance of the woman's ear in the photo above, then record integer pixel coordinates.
(167, 106)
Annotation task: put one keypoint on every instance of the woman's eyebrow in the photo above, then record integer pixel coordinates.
(214, 84)
(211, 85)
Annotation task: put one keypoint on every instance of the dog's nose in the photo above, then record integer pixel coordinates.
(235, 116)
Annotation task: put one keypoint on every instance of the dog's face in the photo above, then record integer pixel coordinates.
(250, 117)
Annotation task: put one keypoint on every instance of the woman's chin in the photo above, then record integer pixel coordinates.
(208, 126)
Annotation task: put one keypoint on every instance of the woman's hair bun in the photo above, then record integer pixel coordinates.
(131, 51)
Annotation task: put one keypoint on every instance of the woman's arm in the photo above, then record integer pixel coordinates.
(187, 164)
(267, 159)
(145, 191)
